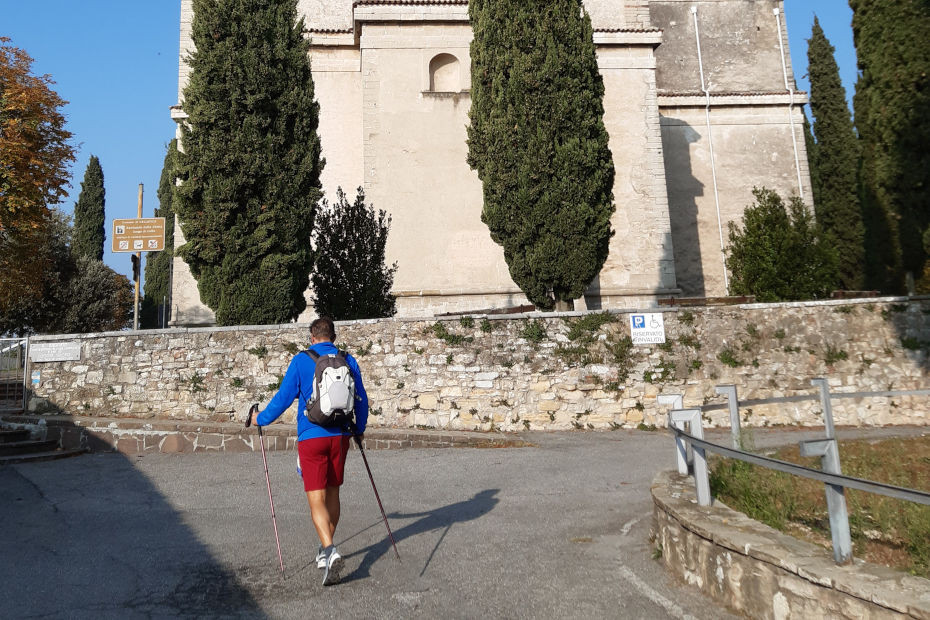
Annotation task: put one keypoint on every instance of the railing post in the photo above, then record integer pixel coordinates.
(825, 404)
(681, 447)
(27, 374)
(730, 391)
(676, 401)
(692, 417)
(836, 499)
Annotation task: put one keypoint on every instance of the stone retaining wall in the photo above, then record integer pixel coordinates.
(539, 372)
(758, 571)
(131, 436)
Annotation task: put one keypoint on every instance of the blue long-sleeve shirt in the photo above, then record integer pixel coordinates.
(298, 383)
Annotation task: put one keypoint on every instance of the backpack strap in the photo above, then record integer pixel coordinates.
(313, 354)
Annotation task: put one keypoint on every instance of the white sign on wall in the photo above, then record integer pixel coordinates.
(58, 351)
(647, 328)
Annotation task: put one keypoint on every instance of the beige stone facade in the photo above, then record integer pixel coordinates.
(393, 82)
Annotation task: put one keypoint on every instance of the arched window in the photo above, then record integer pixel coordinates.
(444, 74)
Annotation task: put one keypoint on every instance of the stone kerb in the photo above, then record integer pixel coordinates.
(758, 571)
(524, 372)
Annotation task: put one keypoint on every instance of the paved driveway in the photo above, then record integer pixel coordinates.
(559, 530)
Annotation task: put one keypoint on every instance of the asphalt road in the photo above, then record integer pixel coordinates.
(554, 531)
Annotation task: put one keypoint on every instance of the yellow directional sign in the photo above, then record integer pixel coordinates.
(146, 234)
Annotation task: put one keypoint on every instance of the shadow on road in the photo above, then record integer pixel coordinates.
(92, 536)
(442, 518)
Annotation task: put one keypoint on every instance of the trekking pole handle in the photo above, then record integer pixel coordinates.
(248, 417)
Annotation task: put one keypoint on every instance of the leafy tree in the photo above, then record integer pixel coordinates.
(892, 105)
(158, 264)
(351, 280)
(98, 299)
(836, 201)
(34, 160)
(75, 295)
(538, 142)
(780, 254)
(34, 151)
(44, 256)
(251, 164)
(89, 213)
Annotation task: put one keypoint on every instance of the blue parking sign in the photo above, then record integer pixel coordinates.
(647, 328)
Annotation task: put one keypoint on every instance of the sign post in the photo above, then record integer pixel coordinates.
(138, 235)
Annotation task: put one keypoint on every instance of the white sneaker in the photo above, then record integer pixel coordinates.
(320, 557)
(334, 564)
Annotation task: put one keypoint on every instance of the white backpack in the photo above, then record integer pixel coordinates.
(333, 400)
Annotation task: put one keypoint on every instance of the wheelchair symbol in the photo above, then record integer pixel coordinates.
(654, 323)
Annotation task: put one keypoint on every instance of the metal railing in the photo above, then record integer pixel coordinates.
(13, 352)
(827, 448)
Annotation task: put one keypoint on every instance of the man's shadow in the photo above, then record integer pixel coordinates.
(441, 518)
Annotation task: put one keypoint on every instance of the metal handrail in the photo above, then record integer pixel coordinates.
(827, 448)
(849, 482)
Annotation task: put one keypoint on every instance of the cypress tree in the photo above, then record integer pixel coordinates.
(892, 105)
(836, 200)
(158, 264)
(351, 280)
(250, 167)
(538, 142)
(811, 146)
(89, 232)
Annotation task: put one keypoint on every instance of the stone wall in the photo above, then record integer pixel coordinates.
(540, 372)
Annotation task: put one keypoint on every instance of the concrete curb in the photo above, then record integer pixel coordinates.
(756, 570)
(134, 436)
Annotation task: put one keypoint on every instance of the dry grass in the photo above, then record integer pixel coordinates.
(884, 530)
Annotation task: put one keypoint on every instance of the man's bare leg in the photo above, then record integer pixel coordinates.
(324, 511)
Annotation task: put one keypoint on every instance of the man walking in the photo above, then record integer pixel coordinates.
(321, 450)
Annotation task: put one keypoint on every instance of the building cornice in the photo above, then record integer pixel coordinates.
(697, 99)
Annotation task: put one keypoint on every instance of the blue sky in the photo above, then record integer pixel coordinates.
(116, 62)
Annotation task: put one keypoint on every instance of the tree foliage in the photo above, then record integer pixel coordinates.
(75, 295)
(158, 264)
(41, 257)
(892, 105)
(251, 164)
(34, 151)
(835, 159)
(351, 279)
(90, 213)
(98, 299)
(779, 253)
(538, 142)
(35, 156)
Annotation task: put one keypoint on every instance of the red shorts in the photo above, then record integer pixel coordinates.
(322, 461)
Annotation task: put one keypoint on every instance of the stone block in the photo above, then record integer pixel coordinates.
(128, 445)
(176, 444)
(427, 401)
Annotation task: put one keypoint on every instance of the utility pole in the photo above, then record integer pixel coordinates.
(137, 269)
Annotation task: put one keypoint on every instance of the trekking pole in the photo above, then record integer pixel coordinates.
(358, 442)
(274, 522)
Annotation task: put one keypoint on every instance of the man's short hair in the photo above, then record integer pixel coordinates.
(323, 329)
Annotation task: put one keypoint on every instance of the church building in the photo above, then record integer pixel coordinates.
(700, 104)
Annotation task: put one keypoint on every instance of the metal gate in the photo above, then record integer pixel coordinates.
(13, 353)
